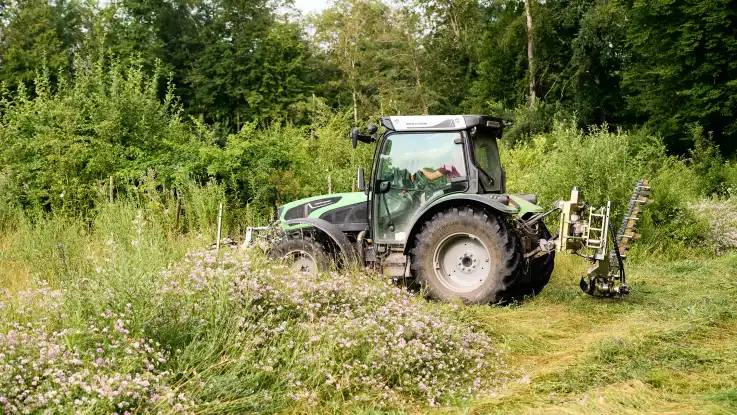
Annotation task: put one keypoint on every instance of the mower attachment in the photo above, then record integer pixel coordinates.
(589, 233)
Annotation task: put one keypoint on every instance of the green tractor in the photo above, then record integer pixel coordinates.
(436, 211)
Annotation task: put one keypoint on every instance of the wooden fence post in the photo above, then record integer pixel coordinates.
(220, 228)
(179, 211)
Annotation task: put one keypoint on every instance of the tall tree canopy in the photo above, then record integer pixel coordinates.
(684, 67)
(663, 64)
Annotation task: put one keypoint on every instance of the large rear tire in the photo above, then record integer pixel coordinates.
(301, 252)
(468, 254)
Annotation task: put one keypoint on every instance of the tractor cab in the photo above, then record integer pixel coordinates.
(421, 159)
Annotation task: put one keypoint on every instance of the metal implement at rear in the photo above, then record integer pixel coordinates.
(588, 232)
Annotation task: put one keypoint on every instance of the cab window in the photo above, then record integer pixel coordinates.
(418, 168)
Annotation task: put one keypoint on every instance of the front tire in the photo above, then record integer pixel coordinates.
(301, 252)
(467, 254)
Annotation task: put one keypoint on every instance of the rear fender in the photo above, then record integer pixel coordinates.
(486, 202)
(347, 250)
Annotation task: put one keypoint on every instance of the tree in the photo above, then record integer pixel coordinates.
(37, 35)
(350, 33)
(451, 33)
(683, 68)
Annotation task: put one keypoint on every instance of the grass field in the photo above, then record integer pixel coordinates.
(669, 347)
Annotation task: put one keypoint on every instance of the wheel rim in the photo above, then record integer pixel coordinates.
(462, 262)
(301, 261)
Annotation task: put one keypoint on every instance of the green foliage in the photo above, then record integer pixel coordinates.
(604, 165)
(36, 34)
(651, 62)
(682, 69)
(62, 145)
(667, 222)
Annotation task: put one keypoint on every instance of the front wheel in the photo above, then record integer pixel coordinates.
(465, 253)
(301, 252)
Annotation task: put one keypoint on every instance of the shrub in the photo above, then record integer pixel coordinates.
(262, 338)
(604, 165)
(64, 143)
(667, 223)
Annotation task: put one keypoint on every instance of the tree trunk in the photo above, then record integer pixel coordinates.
(355, 100)
(355, 108)
(530, 53)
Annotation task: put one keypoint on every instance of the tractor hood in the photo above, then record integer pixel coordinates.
(326, 206)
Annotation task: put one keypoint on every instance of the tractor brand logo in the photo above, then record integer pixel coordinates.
(319, 204)
(424, 124)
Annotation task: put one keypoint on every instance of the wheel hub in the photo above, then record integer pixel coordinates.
(462, 262)
(301, 262)
(467, 262)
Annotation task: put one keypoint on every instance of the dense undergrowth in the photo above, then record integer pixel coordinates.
(232, 333)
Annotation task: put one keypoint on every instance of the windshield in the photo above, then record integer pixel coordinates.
(436, 156)
(419, 167)
(486, 156)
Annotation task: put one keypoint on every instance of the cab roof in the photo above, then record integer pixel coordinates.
(440, 122)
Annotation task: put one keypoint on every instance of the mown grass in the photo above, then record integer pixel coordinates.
(670, 347)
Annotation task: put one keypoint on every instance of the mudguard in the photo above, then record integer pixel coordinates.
(449, 200)
(346, 248)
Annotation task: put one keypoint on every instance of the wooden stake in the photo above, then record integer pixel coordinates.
(179, 212)
(111, 189)
(330, 184)
(220, 227)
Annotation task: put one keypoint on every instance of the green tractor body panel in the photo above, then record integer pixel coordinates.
(525, 207)
(345, 210)
(348, 210)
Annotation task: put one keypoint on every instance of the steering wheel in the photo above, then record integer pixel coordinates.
(420, 181)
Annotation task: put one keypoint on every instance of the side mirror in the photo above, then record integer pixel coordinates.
(360, 179)
(354, 137)
(383, 186)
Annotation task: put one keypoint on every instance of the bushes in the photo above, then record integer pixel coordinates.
(64, 143)
(606, 165)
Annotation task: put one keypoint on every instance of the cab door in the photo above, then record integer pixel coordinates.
(412, 170)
